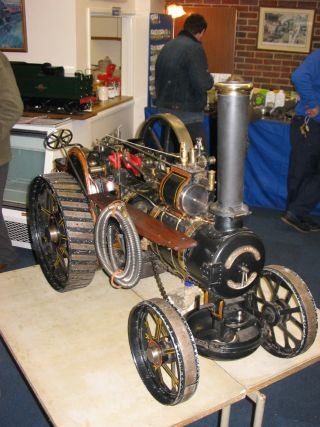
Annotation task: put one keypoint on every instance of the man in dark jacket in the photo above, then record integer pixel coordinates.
(182, 78)
(11, 108)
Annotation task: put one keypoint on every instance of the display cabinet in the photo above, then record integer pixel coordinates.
(29, 159)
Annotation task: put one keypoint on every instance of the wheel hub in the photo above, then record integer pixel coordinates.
(154, 353)
(272, 312)
(52, 233)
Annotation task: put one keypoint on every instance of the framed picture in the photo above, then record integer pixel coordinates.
(13, 35)
(287, 30)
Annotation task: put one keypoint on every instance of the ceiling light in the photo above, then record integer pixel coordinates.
(175, 11)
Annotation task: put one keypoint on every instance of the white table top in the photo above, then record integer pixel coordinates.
(73, 350)
(259, 369)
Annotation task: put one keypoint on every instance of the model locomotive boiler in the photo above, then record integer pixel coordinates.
(138, 208)
(46, 89)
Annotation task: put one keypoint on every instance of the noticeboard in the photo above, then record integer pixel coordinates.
(160, 32)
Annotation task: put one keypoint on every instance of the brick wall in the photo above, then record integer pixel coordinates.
(267, 69)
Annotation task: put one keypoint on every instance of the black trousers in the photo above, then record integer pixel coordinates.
(7, 252)
(304, 168)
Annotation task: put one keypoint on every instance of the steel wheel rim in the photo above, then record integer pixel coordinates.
(159, 350)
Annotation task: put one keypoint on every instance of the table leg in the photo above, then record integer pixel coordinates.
(225, 416)
(260, 400)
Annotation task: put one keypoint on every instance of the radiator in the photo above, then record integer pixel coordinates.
(18, 229)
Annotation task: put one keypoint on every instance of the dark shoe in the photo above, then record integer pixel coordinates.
(313, 225)
(3, 266)
(296, 222)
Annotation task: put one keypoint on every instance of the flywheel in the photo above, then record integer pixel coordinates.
(164, 351)
(165, 132)
(62, 231)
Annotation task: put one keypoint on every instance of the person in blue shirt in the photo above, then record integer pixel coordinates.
(303, 180)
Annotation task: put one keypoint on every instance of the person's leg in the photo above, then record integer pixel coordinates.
(7, 252)
(304, 169)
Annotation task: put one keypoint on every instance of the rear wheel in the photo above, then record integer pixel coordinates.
(62, 231)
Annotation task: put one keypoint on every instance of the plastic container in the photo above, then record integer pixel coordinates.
(270, 99)
(112, 92)
(280, 99)
(102, 93)
(184, 297)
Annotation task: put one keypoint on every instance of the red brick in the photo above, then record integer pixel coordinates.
(248, 15)
(281, 64)
(251, 2)
(306, 5)
(248, 28)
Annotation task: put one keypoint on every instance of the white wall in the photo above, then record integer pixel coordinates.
(102, 48)
(57, 32)
(140, 68)
(51, 33)
(136, 48)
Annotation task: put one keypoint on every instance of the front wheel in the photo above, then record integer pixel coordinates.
(164, 351)
(284, 301)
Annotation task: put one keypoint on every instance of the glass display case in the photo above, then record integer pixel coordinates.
(29, 159)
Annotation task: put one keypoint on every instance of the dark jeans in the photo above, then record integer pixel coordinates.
(7, 252)
(304, 168)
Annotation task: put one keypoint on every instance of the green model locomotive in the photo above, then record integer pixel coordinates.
(46, 89)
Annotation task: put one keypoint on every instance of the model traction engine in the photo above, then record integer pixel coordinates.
(141, 206)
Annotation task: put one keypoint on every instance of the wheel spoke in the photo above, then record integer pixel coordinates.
(155, 139)
(288, 297)
(147, 334)
(287, 334)
(296, 322)
(166, 138)
(170, 373)
(61, 254)
(158, 373)
(288, 311)
(275, 290)
(159, 329)
(260, 299)
(273, 335)
(45, 211)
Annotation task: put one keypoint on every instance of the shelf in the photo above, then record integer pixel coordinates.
(105, 38)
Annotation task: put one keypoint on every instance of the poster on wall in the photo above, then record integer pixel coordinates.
(13, 34)
(160, 32)
(286, 30)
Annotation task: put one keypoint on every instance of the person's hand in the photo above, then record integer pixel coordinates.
(312, 112)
